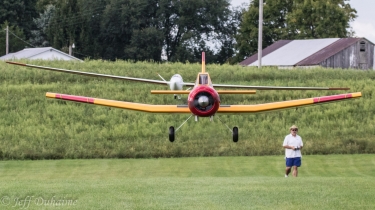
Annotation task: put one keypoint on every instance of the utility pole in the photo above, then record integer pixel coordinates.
(71, 46)
(260, 34)
(7, 41)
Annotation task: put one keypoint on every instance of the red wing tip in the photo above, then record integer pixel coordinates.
(337, 97)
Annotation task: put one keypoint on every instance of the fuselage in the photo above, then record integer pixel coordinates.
(203, 99)
(176, 82)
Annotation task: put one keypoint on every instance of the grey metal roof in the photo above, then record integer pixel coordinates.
(265, 52)
(328, 51)
(294, 52)
(29, 53)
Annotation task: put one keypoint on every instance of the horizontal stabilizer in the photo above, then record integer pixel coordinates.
(188, 91)
(170, 91)
(278, 87)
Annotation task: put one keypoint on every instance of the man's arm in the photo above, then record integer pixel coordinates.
(288, 147)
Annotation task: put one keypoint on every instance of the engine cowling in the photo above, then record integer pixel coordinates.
(203, 101)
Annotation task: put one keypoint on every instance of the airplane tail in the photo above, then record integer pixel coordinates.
(203, 63)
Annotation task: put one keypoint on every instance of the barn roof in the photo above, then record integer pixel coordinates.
(265, 52)
(300, 52)
(45, 53)
(328, 51)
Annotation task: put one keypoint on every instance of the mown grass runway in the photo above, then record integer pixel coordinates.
(324, 182)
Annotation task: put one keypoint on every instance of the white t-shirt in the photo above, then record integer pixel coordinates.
(293, 141)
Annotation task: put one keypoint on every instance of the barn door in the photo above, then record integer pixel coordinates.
(363, 55)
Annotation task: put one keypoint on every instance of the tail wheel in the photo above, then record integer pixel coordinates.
(171, 134)
(235, 134)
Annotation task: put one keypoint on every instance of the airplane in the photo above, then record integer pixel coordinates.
(203, 99)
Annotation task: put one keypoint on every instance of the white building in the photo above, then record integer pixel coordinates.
(42, 53)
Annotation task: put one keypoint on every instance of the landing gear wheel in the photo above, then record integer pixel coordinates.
(171, 134)
(235, 134)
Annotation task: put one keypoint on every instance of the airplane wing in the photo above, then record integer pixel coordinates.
(91, 74)
(123, 104)
(188, 84)
(225, 109)
(277, 87)
(286, 104)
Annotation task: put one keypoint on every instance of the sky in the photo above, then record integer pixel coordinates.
(363, 25)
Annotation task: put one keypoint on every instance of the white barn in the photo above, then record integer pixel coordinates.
(41, 53)
(355, 53)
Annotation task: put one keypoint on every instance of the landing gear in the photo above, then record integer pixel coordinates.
(234, 131)
(172, 130)
(171, 134)
(235, 134)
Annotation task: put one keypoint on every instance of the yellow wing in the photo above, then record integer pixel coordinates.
(223, 108)
(286, 104)
(123, 104)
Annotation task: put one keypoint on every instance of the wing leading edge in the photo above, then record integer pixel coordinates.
(229, 109)
(91, 74)
(286, 104)
(122, 104)
(188, 84)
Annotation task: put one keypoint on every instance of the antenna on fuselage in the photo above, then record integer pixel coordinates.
(203, 63)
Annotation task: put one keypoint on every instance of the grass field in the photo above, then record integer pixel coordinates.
(35, 127)
(324, 182)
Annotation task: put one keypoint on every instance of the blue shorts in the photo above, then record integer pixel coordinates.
(293, 162)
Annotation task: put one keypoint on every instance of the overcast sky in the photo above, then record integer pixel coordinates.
(363, 25)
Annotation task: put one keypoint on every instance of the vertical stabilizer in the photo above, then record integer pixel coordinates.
(203, 63)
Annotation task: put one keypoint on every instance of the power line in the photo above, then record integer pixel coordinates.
(74, 52)
(21, 39)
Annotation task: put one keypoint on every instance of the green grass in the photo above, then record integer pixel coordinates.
(324, 182)
(35, 127)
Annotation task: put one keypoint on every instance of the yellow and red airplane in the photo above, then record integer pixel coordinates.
(203, 99)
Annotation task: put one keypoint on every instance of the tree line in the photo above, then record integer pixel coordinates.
(172, 30)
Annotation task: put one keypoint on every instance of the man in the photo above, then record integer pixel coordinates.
(293, 145)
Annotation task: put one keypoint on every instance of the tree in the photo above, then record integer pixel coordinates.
(68, 23)
(320, 18)
(130, 30)
(188, 23)
(39, 37)
(143, 29)
(145, 44)
(15, 38)
(293, 19)
(274, 26)
(19, 13)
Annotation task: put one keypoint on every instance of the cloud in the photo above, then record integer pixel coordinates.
(364, 29)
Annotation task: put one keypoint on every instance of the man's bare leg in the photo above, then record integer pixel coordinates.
(287, 170)
(295, 171)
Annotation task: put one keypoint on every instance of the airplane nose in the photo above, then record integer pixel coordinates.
(203, 101)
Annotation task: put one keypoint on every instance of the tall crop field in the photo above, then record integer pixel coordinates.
(35, 127)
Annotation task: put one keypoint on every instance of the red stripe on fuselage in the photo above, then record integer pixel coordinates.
(331, 98)
(75, 98)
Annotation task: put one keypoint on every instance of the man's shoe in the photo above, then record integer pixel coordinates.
(286, 176)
